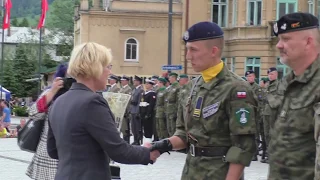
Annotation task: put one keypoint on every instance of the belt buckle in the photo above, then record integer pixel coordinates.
(192, 150)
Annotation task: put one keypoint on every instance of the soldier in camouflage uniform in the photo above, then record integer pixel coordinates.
(171, 103)
(269, 117)
(250, 77)
(113, 83)
(292, 148)
(156, 86)
(263, 95)
(125, 127)
(217, 121)
(161, 126)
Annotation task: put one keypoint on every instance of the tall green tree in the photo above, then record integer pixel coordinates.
(15, 22)
(24, 69)
(9, 80)
(24, 23)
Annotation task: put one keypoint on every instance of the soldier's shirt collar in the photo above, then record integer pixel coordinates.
(308, 73)
(138, 86)
(125, 86)
(220, 76)
(113, 85)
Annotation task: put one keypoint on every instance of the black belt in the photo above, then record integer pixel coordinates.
(208, 151)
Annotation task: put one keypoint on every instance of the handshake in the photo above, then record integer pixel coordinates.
(157, 148)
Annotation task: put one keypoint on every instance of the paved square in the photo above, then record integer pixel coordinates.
(168, 167)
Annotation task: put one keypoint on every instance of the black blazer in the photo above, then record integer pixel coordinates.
(82, 135)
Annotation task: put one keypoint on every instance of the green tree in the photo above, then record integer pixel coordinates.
(47, 61)
(15, 22)
(24, 23)
(9, 81)
(24, 69)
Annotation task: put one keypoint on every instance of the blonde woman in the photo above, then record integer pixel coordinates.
(82, 133)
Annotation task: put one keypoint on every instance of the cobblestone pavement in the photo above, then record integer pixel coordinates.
(14, 163)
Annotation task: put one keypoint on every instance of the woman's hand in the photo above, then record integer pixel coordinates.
(57, 84)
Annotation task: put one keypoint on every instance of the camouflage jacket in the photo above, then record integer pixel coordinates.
(222, 114)
(160, 102)
(292, 148)
(172, 97)
(155, 88)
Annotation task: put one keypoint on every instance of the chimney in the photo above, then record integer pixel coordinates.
(9, 32)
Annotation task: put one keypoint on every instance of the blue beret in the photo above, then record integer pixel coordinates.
(203, 31)
(249, 72)
(295, 22)
(272, 69)
(61, 71)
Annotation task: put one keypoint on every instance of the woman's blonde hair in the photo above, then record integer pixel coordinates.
(88, 60)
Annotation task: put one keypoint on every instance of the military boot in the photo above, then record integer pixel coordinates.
(136, 141)
(127, 139)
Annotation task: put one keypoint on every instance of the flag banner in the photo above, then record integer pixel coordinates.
(44, 9)
(118, 103)
(6, 17)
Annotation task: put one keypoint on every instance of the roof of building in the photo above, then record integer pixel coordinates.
(29, 35)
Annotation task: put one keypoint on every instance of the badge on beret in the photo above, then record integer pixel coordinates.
(284, 26)
(242, 116)
(275, 28)
(186, 35)
(295, 25)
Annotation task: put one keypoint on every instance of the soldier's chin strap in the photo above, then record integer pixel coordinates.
(162, 146)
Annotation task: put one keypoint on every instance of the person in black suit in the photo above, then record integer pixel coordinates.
(82, 132)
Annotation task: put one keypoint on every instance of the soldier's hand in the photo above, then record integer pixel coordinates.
(162, 146)
(153, 154)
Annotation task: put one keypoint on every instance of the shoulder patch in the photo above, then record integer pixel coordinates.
(242, 116)
(241, 94)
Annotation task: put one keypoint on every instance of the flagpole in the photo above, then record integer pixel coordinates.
(39, 63)
(2, 50)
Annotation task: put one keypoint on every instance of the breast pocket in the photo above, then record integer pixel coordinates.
(301, 115)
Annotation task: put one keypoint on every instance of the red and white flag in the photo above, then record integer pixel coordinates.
(6, 17)
(44, 9)
(241, 94)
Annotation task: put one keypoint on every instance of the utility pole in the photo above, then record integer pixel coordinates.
(170, 33)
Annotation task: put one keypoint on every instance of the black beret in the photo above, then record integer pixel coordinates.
(124, 77)
(272, 69)
(137, 78)
(249, 72)
(295, 22)
(203, 31)
(113, 77)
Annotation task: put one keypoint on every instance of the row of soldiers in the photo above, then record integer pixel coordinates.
(152, 111)
(263, 121)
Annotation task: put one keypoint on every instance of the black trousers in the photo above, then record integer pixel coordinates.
(148, 126)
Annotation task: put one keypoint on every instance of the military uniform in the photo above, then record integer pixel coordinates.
(161, 126)
(135, 112)
(147, 111)
(171, 103)
(125, 127)
(217, 121)
(114, 88)
(292, 148)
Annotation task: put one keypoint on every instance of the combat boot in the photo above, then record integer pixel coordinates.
(127, 139)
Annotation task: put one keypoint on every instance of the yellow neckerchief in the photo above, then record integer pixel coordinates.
(212, 72)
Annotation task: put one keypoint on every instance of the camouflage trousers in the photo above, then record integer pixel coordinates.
(203, 168)
(317, 164)
(161, 127)
(171, 123)
(266, 129)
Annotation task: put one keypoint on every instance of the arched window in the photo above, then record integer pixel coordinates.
(132, 50)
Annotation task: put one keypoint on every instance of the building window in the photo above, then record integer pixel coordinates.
(233, 64)
(311, 6)
(253, 63)
(131, 50)
(282, 69)
(286, 7)
(234, 13)
(254, 12)
(219, 12)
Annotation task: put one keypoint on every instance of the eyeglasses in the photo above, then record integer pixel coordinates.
(109, 67)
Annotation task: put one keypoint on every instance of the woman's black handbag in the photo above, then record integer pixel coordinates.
(29, 135)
